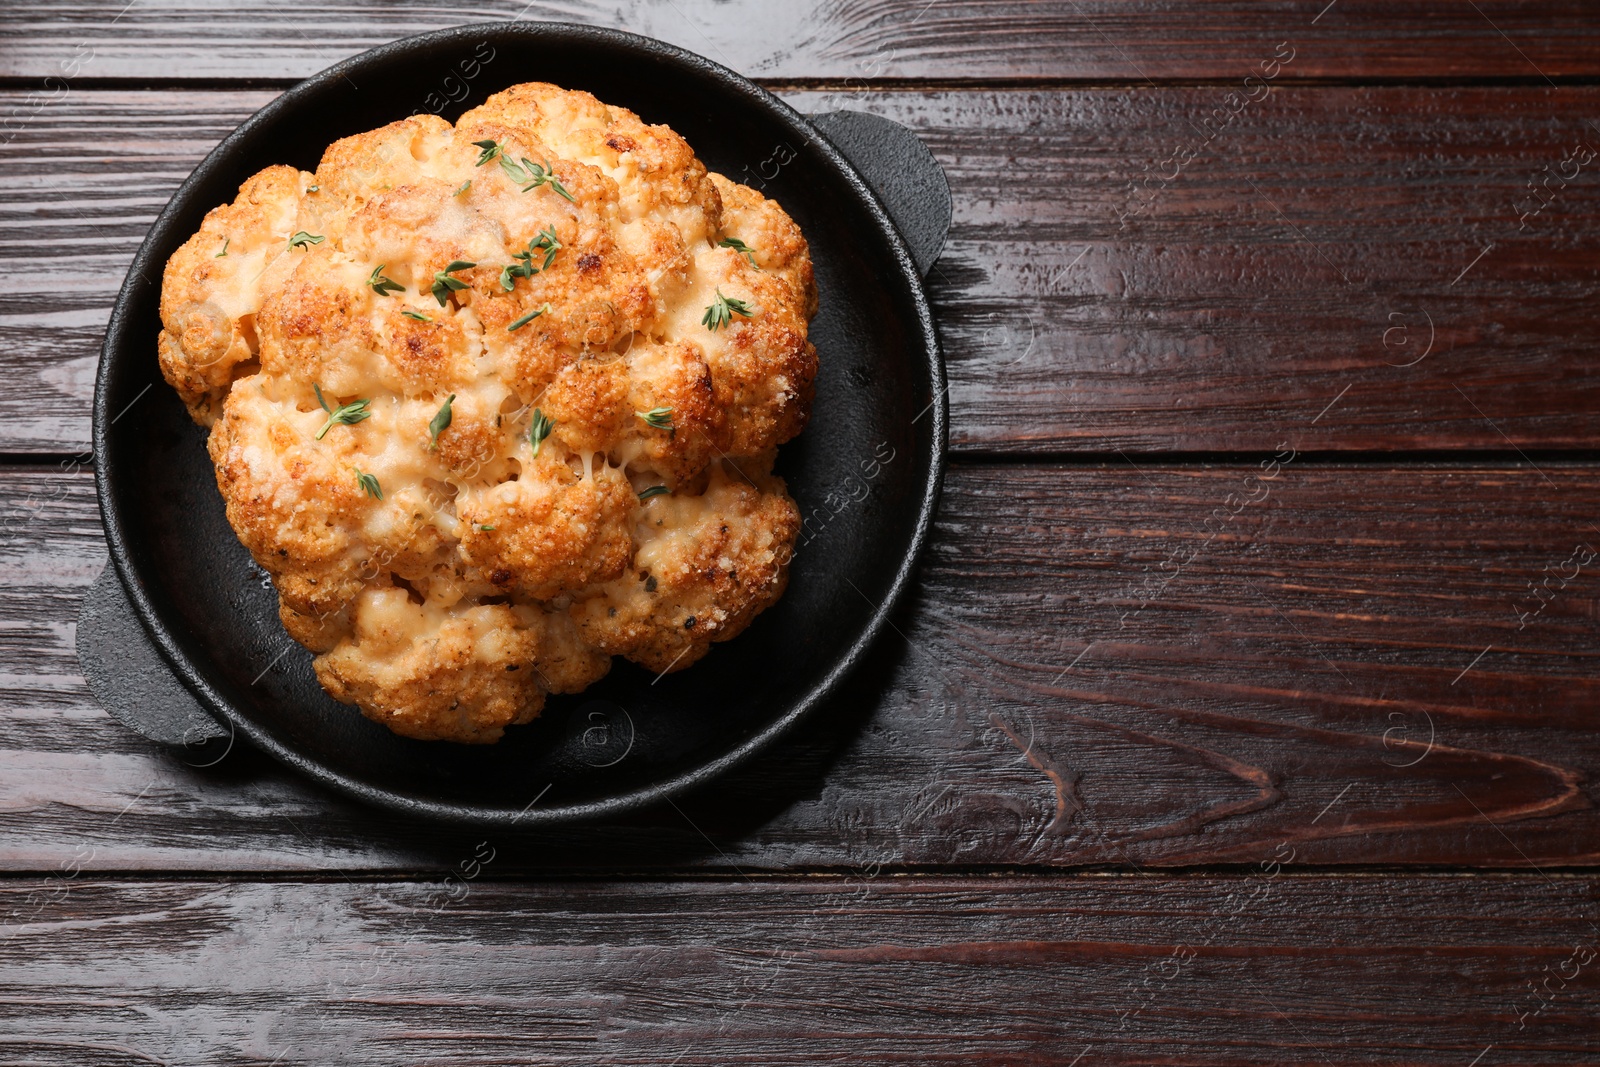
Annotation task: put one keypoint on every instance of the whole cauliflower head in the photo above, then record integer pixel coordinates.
(495, 402)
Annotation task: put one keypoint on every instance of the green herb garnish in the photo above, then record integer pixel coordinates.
(490, 150)
(440, 423)
(531, 175)
(654, 490)
(485, 526)
(538, 430)
(529, 317)
(302, 239)
(721, 312)
(381, 285)
(740, 247)
(224, 251)
(547, 242)
(312, 188)
(345, 415)
(444, 285)
(419, 316)
(660, 418)
(464, 187)
(370, 484)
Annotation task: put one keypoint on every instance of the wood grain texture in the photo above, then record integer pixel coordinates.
(942, 39)
(1105, 666)
(1266, 968)
(1107, 675)
(1276, 289)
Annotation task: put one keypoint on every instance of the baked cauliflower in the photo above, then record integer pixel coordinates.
(495, 402)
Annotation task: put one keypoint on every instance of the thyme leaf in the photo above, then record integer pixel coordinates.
(440, 423)
(529, 317)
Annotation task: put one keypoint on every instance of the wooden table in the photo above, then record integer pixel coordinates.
(1243, 713)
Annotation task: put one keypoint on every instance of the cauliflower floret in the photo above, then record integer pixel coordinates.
(705, 567)
(466, 409)
(775, 242)
(212, 288)
(454, 673)
(550, 534)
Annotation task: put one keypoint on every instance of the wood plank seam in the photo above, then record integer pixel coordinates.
(1068, 337)
(991, 704)
(1087, 40)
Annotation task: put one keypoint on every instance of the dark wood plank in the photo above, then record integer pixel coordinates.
(961, 39)
(1262, 968)
(1276, 289)
(1101, 666)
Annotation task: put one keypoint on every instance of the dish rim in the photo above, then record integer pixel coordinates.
(118, 348)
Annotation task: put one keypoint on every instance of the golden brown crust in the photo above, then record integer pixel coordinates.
(706, 567)
(449, 578)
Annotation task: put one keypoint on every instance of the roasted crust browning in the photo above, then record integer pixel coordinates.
(490, 572)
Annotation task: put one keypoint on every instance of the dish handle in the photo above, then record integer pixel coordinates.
(901, 170)
(128, 676)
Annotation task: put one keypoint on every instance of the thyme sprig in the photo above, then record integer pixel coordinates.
(528, 174)
(531, 175)
(444, 285)
(382, 285)
(538, 430)
(722, 311)
(370, 484)
(660, 418)
(547, 242)
(302, 239)
(740, 247)
(344, 415)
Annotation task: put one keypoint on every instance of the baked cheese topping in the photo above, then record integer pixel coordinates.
(495, 402)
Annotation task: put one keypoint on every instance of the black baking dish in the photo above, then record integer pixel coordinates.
(866, 472)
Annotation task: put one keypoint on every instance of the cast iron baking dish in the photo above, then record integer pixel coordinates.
(866, 472)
